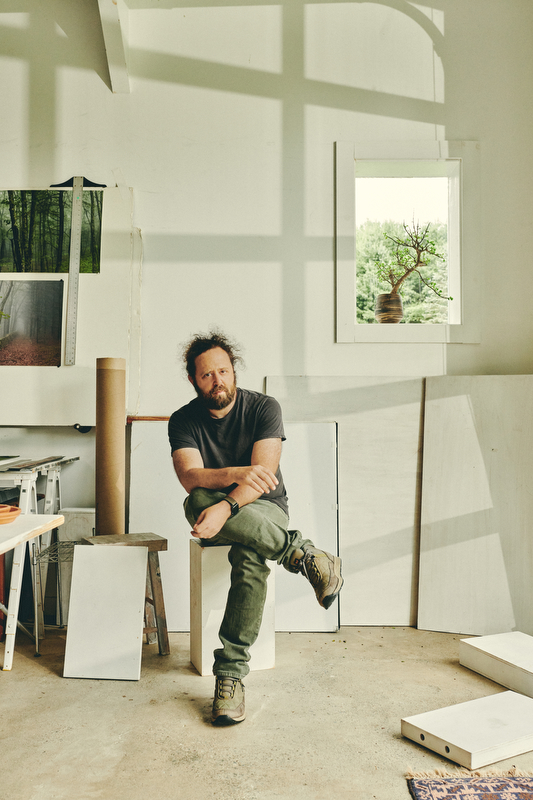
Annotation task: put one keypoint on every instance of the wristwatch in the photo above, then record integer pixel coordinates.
(233, 503)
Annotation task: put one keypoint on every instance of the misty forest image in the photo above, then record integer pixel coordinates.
(35, 230)
(30, 322)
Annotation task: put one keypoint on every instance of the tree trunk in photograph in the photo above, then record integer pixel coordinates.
(389, 308)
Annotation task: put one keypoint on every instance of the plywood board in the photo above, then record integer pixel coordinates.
(477, 506)
(106, 613)
(506, 658)
(156, 505)
(478, 732)
(379, 438)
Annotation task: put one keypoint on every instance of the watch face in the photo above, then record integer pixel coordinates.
(234, 505)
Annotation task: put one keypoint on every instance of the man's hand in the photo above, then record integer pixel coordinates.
(260, 479)
(211, 521)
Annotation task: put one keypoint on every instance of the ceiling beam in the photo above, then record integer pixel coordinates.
(114, 17)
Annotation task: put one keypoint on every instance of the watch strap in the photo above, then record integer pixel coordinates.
(233, 503)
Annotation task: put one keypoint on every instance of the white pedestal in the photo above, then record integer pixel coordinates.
(506, 658)
(478, 732)
(210, 581)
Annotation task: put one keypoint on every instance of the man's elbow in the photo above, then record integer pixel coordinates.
(188, 482)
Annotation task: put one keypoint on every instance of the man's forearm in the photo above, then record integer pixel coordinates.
(244, 495)
(217, 479)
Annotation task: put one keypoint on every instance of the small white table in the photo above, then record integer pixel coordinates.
(14, 536)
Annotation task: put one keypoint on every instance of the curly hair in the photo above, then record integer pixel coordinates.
(202, 342)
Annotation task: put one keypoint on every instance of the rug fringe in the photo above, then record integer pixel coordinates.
(463, 772)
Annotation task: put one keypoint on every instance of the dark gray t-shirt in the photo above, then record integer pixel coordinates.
(228, 442)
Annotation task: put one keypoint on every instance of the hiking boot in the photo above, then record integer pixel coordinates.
(228, 705)
(322, 570)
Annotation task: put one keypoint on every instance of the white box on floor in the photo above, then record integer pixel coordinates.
(210, 581)
(506, 658)
(106, 619)
(478, 732)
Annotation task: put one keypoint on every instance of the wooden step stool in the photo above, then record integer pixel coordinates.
(155, 603)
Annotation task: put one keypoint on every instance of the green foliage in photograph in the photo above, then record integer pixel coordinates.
(382, 259)
(35, 230)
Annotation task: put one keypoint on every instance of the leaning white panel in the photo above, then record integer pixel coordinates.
(506, 658)
(309, 469)
(156, 504)
(478, 732)
(106, 614)
(379, 423)
(477, 505)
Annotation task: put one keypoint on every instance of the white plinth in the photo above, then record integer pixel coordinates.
(506, 658)
(478, 732)
(210, 581)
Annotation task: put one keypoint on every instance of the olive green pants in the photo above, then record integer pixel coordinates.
(257, 534)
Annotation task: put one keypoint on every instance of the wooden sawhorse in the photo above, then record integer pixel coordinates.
(155, 604)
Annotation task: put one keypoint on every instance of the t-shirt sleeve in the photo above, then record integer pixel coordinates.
(269, 420)
(181, 433)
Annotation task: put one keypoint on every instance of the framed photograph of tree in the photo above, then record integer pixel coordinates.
(35, 230)
(30, 322)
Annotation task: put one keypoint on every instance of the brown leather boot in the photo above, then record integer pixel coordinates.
(322, 570)
(228, 703)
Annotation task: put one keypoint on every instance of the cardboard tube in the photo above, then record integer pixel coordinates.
(110, 446)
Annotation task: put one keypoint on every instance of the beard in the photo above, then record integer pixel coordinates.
(216, 400)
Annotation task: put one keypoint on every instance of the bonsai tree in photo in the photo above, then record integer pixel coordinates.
(413, 253)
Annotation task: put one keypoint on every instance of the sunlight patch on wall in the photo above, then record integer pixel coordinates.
(434, 14)
(467, 467)
(370, 47)
(248, 37)
(15, 123)
(15, 20)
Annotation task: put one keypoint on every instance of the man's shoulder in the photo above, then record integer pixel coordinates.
(251, 398)
(189, 411)
(263, 412)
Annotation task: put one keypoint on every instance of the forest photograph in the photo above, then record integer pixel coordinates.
(30, 323)
(35, 230)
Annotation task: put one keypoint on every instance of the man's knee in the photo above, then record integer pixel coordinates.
(199, 499)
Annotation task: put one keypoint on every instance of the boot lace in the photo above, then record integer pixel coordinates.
(225, 688)
(310, 569)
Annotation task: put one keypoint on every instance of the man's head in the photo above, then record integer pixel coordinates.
(210, 362)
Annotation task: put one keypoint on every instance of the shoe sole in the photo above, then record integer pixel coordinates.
(223, 720)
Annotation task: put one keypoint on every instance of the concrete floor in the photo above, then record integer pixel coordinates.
(325, 723)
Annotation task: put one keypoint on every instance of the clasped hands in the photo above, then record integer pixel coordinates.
(256, 477)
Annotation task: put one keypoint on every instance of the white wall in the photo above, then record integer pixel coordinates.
(227, 141)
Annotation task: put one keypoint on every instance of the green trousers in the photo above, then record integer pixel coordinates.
(257, 534)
